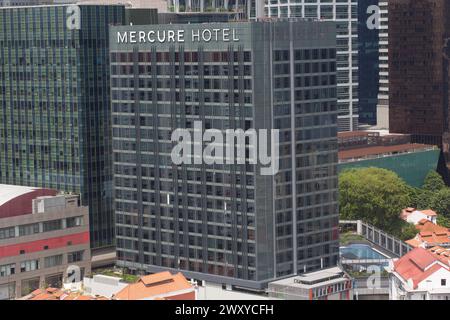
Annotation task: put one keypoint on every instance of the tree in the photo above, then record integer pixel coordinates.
(433, 182)
(440, 202)
(443, 221)
(374, 195)
(420, 198)
(409, 231)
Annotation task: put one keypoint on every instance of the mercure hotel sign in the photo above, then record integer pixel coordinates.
(167, 36)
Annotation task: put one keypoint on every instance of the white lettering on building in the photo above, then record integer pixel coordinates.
(175, 36)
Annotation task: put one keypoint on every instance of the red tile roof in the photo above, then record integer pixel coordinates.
(414, 243)
(430, 234)
(429, 212)
(418, 265)
(58, 294)
(163, 284)
(441, 253)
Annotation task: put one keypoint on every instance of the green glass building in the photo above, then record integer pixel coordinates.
(55, 127)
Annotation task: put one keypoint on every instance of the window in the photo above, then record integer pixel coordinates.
(53, 261)
(443, 282)
(7, 233)
(52, 225)
(29, 265)
(28, 229)
(7, 270)
(75, 256)
(74, 222)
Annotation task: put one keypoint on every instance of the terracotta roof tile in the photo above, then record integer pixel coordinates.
(414, 243)
(58, 294)
(417, 265)
(429, 212)
(430, 233)
(160, 284)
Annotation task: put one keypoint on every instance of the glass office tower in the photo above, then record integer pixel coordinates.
(55, 113)
(369, 63)
(345, 13)
(225, 223)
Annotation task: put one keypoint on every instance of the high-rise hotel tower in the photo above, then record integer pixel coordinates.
(225, 223)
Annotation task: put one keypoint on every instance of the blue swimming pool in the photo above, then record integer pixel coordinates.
(360, 251)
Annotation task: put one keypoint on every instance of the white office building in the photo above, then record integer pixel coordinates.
(383, 95)
(344, 12)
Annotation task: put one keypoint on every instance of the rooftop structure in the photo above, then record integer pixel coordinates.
(59, 294)
(442, 253)
(430, 235)
(419, 275)
(159, 286)
(101, 285)
(163, 285)
(414, 216)
(382, 151)
(17, 200)
(326, 284)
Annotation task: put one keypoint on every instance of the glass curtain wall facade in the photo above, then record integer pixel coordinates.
(55, 128)
(226, 223)
(345, 13)
(369, 63)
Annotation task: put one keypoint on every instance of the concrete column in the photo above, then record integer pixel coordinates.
(259, 9)
(359, 227)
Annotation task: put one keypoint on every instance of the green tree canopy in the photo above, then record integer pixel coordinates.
(409, 231)
(420, 198)
(440, 202)
(374, 195)
(443, 221)
(433, 182)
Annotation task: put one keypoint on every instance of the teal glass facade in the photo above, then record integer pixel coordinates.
(55, 105)
(411, 167)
